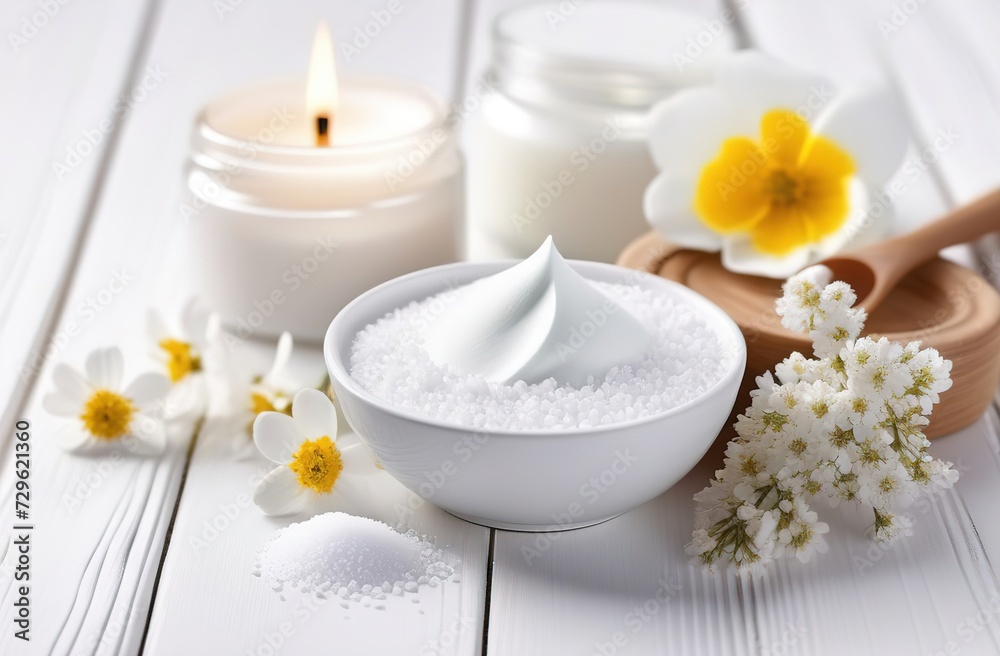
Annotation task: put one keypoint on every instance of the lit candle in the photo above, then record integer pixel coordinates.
(321, 85)
(561, 148)
(308, 193)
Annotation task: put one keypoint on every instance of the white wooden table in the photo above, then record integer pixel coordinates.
(154, 555)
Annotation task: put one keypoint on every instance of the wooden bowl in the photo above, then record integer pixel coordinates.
(941, 304)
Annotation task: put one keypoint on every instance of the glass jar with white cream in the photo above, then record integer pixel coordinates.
(560, 147)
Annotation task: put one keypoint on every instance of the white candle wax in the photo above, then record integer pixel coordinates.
(561, 147)
(370, 111)
(285, 232)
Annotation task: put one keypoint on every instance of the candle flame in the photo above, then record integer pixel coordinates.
(321, 85)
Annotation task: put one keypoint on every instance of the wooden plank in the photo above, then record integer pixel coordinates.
(114, 512)
(945, 61)
(626, 587)
(77, 65)
(209, 601)
(73, 62)
(581, 591)
(207, 598)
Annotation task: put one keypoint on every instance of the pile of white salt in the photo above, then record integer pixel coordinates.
(354, 558)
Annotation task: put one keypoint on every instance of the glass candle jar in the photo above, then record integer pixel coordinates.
(284, 233)
(560, 148)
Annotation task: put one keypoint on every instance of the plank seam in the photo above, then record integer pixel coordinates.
(57, 302)
(464, 50)
(741, 32)
(489, 588)
(188, 457)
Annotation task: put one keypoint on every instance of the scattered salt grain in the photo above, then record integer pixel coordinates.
(355, 558)
(687, 358)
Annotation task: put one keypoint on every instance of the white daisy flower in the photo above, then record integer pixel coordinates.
(185, 352)
(770, 166)
(103, 411)
(249, 395)
(312, 466)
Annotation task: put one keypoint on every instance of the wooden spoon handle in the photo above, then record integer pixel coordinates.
(965, 224)
(875, 269)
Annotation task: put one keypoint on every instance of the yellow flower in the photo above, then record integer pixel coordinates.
(182, 358)
(788, 190)
(771, 167)
(311, 463)
(317, 464)
(107, 415)
(103, 410)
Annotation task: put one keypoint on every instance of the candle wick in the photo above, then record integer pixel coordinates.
(322, 130)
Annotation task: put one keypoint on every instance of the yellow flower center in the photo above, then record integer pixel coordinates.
(317, 464)
(181, 358)
(107, 415)
(787, 190)
(783, 188)
(260, 402)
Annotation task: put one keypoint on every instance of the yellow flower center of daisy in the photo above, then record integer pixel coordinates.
(317, 464)
(107, 415)
(260, 402)
(181, 358)
(787, 190)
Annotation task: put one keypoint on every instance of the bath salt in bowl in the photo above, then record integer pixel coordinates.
(543, 456)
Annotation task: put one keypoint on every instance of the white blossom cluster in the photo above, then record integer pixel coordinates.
(844, 426)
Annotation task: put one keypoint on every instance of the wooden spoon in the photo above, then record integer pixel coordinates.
(874, 270)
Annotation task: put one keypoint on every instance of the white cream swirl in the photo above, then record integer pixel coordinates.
(539, 319)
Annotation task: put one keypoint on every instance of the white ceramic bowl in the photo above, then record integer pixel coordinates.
(540, 480)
